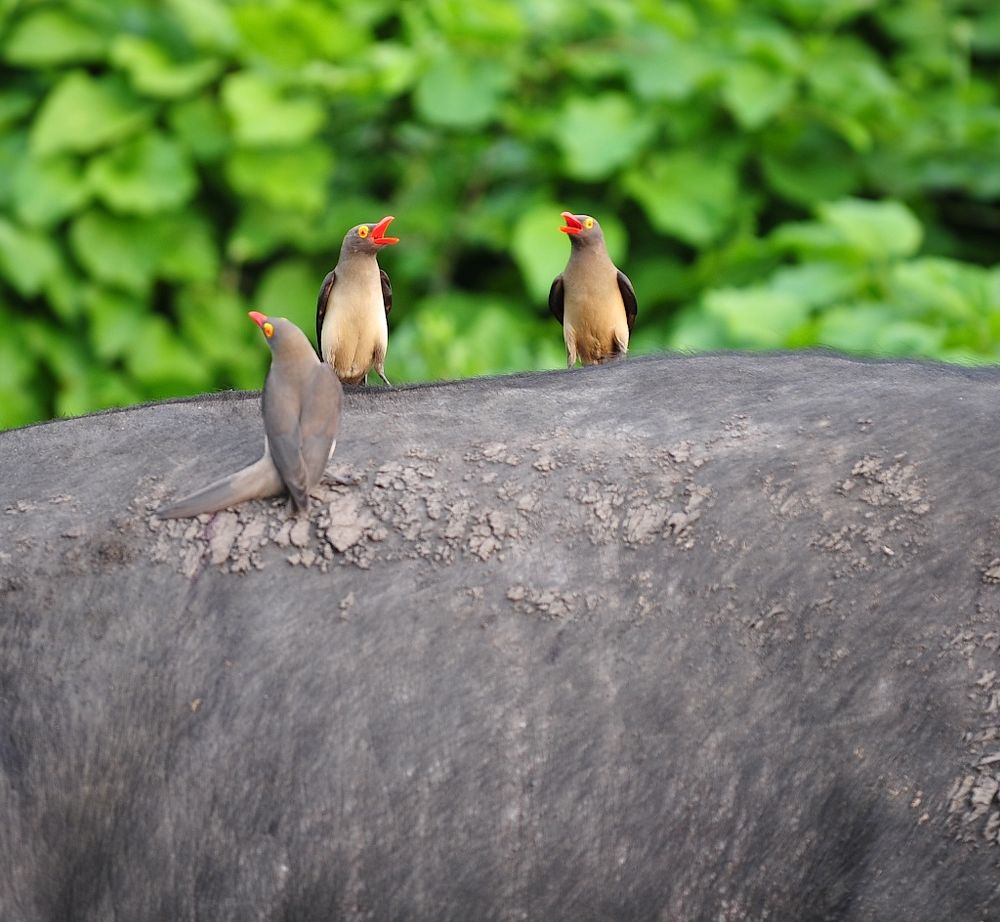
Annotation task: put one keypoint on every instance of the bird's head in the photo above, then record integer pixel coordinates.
(583, 230)
(278, 331)
(368, 238)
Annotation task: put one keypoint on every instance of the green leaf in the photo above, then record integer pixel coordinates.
(119, 251)
(686, 194)
(27, 258)
(51, 35)
(162, 363)
(82, 113)
(262, 117)
(663, 67)
(261, 229)
(207, 23)
(188, 251)
(875, 230)
(460, 334)
(116, 322)
(289, 289)
(876, 329)
(848, 78)
(943, 289)
(807, 164)
(150, 173)
(755, 94)
(541, 250)
(154, 73)
(63, 292)
(811, 240)
(46, 191)
(461, 92)
(695, 330)
(290, 35)
(599, 135)
(13, 150)
(818, 283)
(215, 325)
(757, 318)
(200, 126)
(14, 104)
(294, 178)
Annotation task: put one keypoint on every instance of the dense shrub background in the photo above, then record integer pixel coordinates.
(778, 173)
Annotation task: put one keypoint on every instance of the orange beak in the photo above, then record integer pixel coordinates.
(572, 225)
(378, 232)
(257, 317)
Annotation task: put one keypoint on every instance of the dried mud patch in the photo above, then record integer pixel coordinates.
(879, 519)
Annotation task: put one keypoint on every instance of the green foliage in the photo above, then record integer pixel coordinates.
(780, 174)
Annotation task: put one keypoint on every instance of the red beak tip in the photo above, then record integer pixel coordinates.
(572, 225)
(257, 317)
(378, 232)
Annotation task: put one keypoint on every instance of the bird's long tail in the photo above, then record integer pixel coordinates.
(261, 479)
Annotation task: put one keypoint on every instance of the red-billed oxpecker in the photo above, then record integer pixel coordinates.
(592, 298)
(352, 332)
(301, 406)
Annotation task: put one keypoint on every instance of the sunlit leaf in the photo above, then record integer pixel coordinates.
(82, 113)
(943, 288)
(818, 283)
(27, 257)
(163, 363)
(200, 125)
(188, 248)
(46, 191)
(876, 329)
(117, 250)
(115, 322)
(154, 73)
(663, 67)
(599, 135)
(50, 35)
(461, 92)
(147, 174)
(754, 94)
(293, 177)
(292, 34)
(261, 115)
(289, 290)
(757, 318)
(207, 23)
(686, 195)
(877, 230)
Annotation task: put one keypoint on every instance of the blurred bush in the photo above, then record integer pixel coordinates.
(780, 173)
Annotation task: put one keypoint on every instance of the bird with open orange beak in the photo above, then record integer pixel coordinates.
(592, 298)
(352, 330)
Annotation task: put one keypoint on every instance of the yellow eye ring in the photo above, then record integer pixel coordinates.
(363, 231)
(268, 330)
(589, 223)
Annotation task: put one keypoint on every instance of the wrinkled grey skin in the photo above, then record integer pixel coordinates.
(705, 638)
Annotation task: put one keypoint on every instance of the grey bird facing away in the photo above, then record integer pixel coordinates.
(301, 404)
(592, 298)
(352, 332)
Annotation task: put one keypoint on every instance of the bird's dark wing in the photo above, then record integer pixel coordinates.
(556, 298)
(284, 440)
(628, 298)
(321, 302)
(386, 291)
(320, 419)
